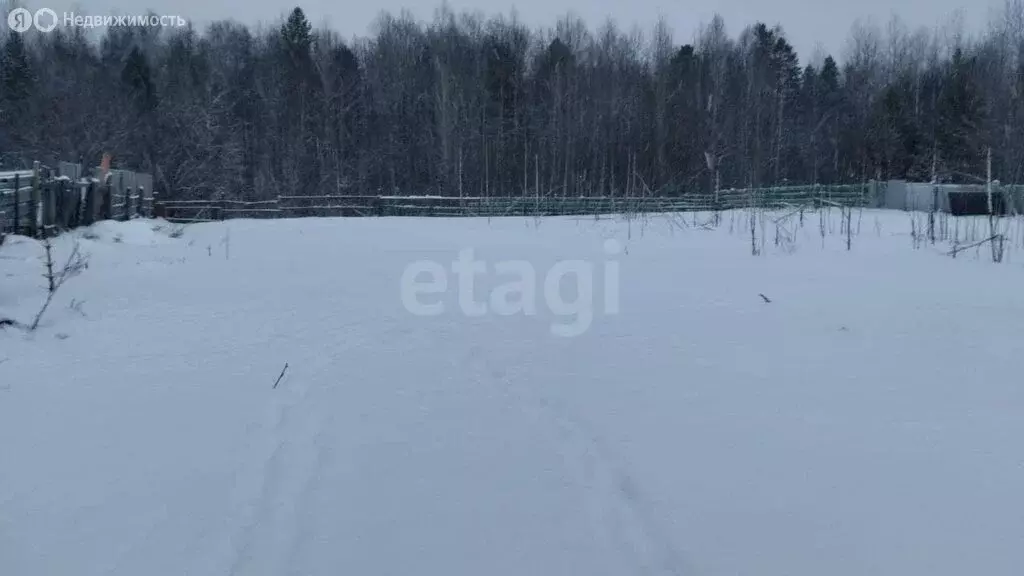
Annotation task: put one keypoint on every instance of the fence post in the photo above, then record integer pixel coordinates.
(46, 207)
(126, 198)
(37, 202)
(17, 204)
(75, 218)
(156, 210)
(108, 201)
(59, 203)
(89, 207)
(92, 199)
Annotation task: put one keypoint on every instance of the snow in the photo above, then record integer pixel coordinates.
(868, 420)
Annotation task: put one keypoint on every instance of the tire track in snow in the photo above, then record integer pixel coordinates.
(304, 498)
(294, 448)
(622, 513)
(621, 508)
(289, 460)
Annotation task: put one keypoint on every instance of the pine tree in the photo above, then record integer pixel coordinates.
(960, 112)
(300, 123)
(17, 92)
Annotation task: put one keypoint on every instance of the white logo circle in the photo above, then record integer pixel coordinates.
(45, 27)
(20, 20)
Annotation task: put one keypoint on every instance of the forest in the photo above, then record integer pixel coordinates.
(475, 105)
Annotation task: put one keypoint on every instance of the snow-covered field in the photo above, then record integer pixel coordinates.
(869, 419)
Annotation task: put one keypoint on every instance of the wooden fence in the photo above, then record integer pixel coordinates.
(443, 206)
(32, 202)
(35, 201)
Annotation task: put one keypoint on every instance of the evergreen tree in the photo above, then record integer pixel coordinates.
(960, 143)
(17, 93)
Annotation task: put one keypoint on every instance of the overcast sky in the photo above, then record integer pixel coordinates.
(809, 24)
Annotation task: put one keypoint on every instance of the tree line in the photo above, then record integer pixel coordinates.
(474, 106)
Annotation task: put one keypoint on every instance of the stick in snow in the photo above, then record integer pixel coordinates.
(958, 249)
(765, 298)
(281, 376)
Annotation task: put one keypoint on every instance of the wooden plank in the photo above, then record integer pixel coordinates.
(250, 210)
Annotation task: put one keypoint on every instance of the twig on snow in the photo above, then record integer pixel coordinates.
(74, 266)
(958, 249)
(281, 376)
